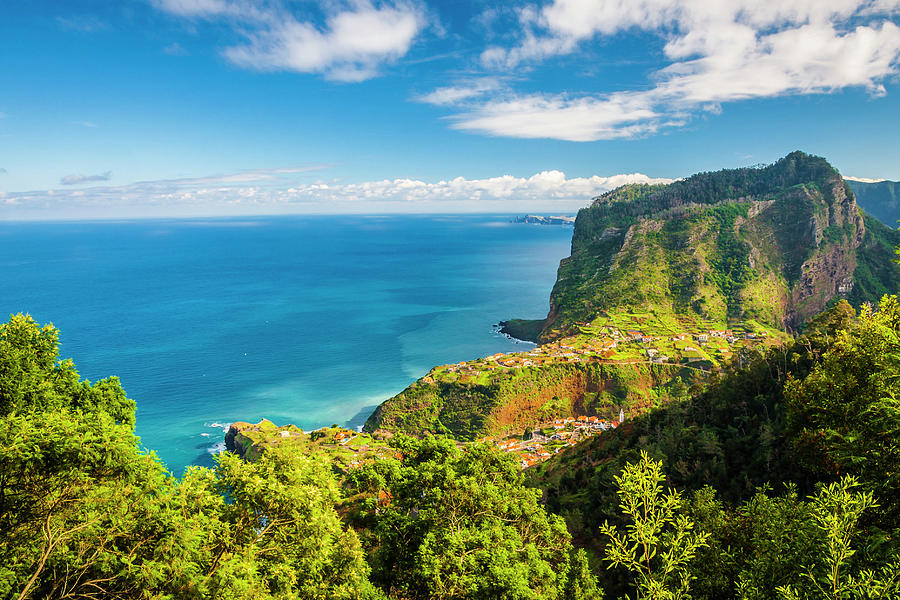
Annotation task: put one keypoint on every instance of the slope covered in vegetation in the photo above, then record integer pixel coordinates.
(805, 465)
(691, 269)
(881, 199)
(774, 244)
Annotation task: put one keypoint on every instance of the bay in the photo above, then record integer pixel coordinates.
(304, 320)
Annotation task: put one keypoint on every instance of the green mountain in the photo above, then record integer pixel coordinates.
(773, 244)
(880, 199)
(742, 253)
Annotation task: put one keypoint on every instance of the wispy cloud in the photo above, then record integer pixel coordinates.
(274, 191)
(715, 53)
(454, 94)
(82, 23)
(351, 42)
(89, 124)
(175, 49)
(78, 178)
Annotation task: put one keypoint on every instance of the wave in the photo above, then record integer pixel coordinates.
(217, 448)
(217, 425)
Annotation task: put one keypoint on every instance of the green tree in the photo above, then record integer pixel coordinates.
(84, 513)
(836, 510)
(33, 378)
(450, 523)
(845, 415)
(659, 543)
(277, 533)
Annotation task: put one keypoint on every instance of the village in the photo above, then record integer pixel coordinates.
(531, 448)
(621, 339)
(551, 439)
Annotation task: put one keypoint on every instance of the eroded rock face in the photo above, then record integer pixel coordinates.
(774, 244)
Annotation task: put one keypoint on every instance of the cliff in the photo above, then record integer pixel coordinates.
(510, 401)
(774, 244)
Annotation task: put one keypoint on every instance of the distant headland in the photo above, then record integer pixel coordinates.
(541, 220)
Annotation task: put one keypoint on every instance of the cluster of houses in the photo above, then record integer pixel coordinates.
(602, 343)
(568, 431)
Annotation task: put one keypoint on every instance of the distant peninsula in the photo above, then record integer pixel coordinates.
(542, 220)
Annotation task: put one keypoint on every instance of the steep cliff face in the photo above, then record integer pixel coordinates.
(525, 397)
(774, 244)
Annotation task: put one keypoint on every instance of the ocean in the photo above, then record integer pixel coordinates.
(304, 320)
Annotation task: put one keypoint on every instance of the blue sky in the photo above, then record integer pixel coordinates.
(202, 107)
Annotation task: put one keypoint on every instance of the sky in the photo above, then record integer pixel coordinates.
(160, 108)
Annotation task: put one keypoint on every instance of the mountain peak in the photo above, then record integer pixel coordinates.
(774, 244)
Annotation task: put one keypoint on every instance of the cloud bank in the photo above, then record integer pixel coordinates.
(267, 191)
(714, 53)
(77, 178)
(349, 41)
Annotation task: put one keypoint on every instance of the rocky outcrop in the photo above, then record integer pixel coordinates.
(775, 244)
(241, 444)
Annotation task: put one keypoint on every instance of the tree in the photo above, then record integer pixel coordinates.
(84, 513)
(274, 530)
(845, 415)
(836, 511)
(33, 378)
(449, 523)
(659, 543)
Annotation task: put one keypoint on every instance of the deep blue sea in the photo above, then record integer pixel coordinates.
(305, 320)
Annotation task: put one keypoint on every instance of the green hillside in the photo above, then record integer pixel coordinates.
(774, 244)
(880, 199)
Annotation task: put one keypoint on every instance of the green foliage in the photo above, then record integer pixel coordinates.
(86, 514)
(754, 547)
(730, 261)
(836, 510)
(517, 398)
(450, 523)
(581, 584)
(876, 273)
(275, 532)
(880, 199)
(79, 503)
(731, 434)
(659, 543)
(32, 377)
(845, 415)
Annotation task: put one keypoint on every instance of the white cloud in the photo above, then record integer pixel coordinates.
(351, 43)
(78, 178)
(453, 94)
(563, 118)
(270, 191)
(715, 52)
(863, 179)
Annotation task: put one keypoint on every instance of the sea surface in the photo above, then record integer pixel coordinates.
(304, 320)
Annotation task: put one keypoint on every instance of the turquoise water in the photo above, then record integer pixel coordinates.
(305, 320)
